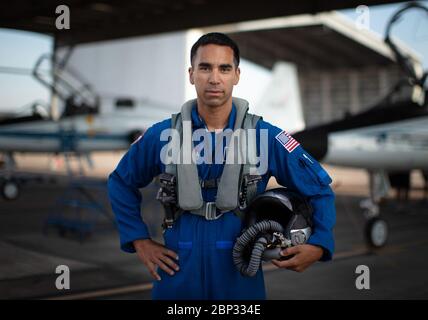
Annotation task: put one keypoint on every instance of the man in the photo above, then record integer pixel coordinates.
(196, 261)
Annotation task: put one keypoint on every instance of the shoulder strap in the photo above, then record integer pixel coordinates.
(228, 189)
(189, 190)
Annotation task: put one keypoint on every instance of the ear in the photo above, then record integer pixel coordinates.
(237, 76)
(191, 75)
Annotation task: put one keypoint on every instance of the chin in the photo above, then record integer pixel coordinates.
(214, 102)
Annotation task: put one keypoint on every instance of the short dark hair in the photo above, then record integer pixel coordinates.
(215, 38)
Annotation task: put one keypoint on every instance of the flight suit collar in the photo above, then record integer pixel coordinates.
(198, 122)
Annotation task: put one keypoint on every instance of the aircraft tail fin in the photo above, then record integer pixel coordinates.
(281, 103)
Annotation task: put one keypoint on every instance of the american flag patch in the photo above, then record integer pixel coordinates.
(287, 141)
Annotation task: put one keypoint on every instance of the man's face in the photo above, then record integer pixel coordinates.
(214, 74)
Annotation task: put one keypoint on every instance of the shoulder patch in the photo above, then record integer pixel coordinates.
(287, 141)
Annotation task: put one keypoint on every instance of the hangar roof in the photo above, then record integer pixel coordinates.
(320, 41)
(112, 19)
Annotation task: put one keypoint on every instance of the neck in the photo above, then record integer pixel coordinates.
(215, 117)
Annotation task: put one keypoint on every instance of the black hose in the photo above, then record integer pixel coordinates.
(252, 234)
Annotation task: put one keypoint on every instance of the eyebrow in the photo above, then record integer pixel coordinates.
(206, 64)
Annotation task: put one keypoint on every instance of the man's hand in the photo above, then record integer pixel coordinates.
(304, 256)
(154, 254)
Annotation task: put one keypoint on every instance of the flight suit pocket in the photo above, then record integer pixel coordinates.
(185, 244)
(170, 237)
(224, 245)
(182, 248)
(315, 170)
(223, 252)
(184, 251)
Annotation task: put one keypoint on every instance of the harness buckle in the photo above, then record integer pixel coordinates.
(211, 211)
(209, 184)
(247, 181)
(168, 198)
(167, 223)
(251, 179)
(167, 180)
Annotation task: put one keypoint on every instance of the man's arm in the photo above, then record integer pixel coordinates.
(135, 170)
(300, 172)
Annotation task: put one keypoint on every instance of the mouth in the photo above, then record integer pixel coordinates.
(214, 92)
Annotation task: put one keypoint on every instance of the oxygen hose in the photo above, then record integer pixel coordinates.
(250, 235)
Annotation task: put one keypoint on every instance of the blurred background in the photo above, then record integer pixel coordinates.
(80, 81)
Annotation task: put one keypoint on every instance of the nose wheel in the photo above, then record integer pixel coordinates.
(376, 232)
(10, 190)
(376, 228)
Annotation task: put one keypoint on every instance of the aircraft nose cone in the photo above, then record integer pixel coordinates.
(314, 141)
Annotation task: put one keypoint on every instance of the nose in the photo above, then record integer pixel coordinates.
(214, 77)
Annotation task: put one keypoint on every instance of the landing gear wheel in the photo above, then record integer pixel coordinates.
(376, 232)
(10, 190)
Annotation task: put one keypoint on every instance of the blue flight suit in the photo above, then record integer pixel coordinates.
(205, 246)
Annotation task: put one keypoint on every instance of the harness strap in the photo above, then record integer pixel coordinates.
(238, 183)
